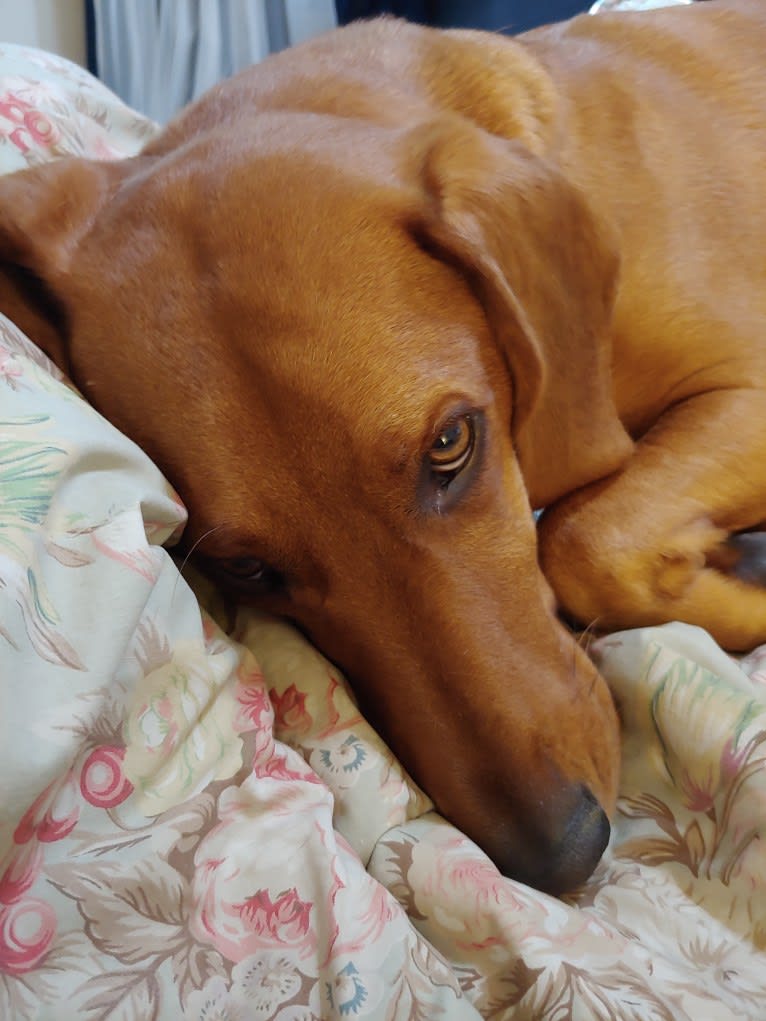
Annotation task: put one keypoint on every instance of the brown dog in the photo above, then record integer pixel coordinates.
(369, 302)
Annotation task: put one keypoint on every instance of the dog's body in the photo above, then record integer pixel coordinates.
(367, 301)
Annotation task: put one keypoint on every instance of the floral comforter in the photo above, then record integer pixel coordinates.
(199, 825)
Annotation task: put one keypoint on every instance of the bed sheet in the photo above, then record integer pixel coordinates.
(201, 825)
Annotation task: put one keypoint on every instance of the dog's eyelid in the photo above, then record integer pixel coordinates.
(448, 412)
(244, 567)
(457, 418)
(246, 572)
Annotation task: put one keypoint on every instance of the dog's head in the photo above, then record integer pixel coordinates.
(359, 353)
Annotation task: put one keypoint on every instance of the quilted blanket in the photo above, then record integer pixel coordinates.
(199, 824)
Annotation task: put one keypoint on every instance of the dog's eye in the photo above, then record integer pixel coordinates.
(249, 573)
(451, 450)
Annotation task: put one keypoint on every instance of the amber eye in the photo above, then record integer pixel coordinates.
(453, 447)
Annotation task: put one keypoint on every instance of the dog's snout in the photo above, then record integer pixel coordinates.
(577, 838)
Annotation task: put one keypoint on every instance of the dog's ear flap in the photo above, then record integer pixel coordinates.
(44, 213)
(545, 271)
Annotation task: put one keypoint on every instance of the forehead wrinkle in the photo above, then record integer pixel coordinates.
(334, 398)
(392, 381)
(326, 456)
(378, 335)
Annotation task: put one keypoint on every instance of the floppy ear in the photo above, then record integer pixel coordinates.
(44, 213)
(546, 272)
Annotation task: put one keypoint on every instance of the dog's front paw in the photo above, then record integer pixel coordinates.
(605, 570)
(607, 573)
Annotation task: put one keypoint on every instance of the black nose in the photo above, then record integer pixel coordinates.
(584, 842)
(581, 835)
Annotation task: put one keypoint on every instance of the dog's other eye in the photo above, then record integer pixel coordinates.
(248, 573)
(451, 450)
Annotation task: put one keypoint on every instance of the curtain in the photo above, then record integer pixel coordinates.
(157, 55)
(496, 15)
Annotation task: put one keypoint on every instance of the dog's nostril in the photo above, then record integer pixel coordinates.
(576, 840)
(583, 842)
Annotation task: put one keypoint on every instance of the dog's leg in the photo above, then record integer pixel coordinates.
(654, 543)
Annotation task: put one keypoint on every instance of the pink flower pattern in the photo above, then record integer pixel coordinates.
(25, 126)
(283, 922)
(53, 814)
(22, 866)
(10, 369)
(291, 715)
(102, 780)
(27, 929)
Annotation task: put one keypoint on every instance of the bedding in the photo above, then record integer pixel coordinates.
(195, 820)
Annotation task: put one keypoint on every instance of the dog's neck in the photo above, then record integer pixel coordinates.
(500, 85)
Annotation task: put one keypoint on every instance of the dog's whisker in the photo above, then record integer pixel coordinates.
(583, 640)
(195, 545)
(585, 637)
(205, 535)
